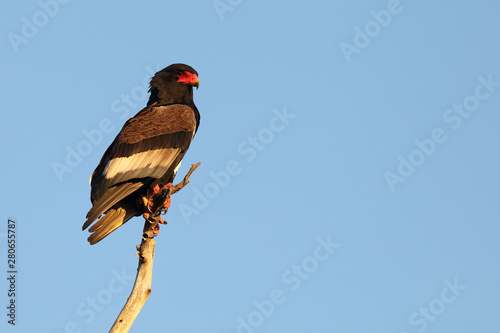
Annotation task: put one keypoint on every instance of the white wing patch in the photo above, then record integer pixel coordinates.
(177, 168)
(152, 163)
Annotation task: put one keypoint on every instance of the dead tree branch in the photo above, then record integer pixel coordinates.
(142, 286)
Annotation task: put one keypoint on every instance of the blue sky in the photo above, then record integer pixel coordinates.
(349, 177)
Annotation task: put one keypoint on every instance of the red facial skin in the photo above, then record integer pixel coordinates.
(189, 78)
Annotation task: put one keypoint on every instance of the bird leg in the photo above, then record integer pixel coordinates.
(157, 189)
(169, 200)
(149, 203)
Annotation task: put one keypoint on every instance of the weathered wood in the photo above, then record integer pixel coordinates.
(142, 286)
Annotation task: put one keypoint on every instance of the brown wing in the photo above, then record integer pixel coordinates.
(149, 146)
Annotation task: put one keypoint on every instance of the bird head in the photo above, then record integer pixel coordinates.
(174, 84)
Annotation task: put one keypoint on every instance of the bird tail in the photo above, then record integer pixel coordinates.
(112, 220)
(113, 195)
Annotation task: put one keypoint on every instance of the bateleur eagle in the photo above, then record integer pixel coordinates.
(146, 153)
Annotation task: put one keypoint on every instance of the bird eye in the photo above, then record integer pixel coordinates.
(179, 73)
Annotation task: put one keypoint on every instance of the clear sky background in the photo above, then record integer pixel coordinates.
(349, 177)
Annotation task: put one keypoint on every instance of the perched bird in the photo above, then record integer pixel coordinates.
(147, 152)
